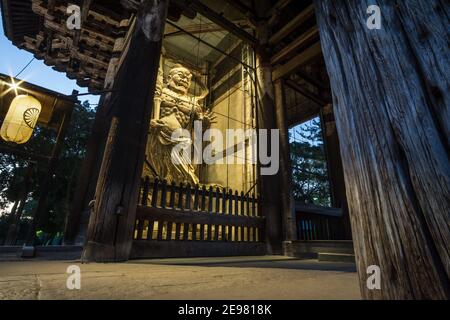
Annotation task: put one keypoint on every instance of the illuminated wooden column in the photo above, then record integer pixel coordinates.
(111, 225)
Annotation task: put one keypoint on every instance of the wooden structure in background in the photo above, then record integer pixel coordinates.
(394, 146)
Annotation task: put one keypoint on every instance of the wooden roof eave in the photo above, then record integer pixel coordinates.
(5, 18)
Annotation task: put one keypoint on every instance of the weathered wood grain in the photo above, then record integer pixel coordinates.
(391, 103)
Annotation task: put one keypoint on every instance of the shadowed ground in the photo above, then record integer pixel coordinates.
(267, 277)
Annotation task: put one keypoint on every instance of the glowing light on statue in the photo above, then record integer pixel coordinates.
(22, 116)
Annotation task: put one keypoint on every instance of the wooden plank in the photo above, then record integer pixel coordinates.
(172, 189)
(297, 62)
(180, 197)
(169, 231)
(291, 48)
(203, 202)
(224, 201)
(140, 229)
(145, 191)
(210, 199)
(185, 231)
(151, 225)
(217, 196)
(155, 192)
(242, 200)
(196, 195)
(159, 214)
(188, 197)
(177, 231)
(216, 232)
(230, 202)
(236, 202)
(163, 194)
(292, 25)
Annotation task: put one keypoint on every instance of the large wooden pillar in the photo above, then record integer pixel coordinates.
(111, 224)
(269, 185)
(286, 192)
(392, 108)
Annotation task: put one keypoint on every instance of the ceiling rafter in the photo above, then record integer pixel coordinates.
(223, 22)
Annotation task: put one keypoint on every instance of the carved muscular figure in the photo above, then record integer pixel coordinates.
(178, 110)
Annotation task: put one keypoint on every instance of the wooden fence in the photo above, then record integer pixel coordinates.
(183, 220)
(318, 223)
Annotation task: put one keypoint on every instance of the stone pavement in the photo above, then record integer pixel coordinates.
(266, 277)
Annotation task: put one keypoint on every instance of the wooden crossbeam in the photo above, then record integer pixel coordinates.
(280, 5)
(176, 216)
(295, 45)
(312, 81)
(305, 92)
(298, 61)
(199, 28)
(239, 5)
(292, 25)
(84, 15)
(224, 23)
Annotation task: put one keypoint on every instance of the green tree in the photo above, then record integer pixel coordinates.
(309, 167)
(13, 170)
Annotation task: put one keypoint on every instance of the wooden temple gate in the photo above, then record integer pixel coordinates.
(390, 101)
(180, 220)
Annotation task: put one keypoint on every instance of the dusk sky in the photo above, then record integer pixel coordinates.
(13, 60)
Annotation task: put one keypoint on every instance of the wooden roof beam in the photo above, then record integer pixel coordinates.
(312, 81)
(297, 62)
(295, 45)
(305, 92)
(84, 15)
(292, 25)
(224, 23)
(240, 6)
(280, 5)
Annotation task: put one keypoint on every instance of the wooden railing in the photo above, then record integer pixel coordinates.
(170, 212)
(318, 223)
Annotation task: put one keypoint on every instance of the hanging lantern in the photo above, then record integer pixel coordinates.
(21, 119)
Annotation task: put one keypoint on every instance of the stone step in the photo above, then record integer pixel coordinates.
(336, 257)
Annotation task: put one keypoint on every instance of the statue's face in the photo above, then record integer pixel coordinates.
(180, 80)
